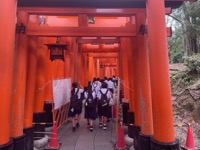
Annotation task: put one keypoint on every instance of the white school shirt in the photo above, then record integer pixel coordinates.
(93, 95)
(95, 88)
(79, 92)
(111, 85)
(104, 91)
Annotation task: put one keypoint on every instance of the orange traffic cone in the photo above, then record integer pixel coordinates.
(120, 139)
(190, 140)
(53, 144)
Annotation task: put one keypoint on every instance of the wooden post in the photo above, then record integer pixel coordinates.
(39, 113)
(19, 82)
(160, 81)
(7, 38)
(40, 76)
(145, 87)
(91, 68)
(125, 46)
(30, 91)
(98, 69)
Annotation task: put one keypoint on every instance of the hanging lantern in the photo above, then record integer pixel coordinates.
(57, 50)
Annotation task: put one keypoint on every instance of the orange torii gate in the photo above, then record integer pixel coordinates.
(22, 64)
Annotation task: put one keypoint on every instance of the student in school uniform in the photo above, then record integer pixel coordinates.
(111, 88)
(103, 95)
(75, 105)
(90, 107)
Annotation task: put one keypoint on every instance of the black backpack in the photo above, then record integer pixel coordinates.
(74, 100)
(104, 101)
(90, 102)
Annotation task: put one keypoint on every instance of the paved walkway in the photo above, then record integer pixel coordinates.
(83, 139)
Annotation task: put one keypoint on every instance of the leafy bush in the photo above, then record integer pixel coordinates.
(193, 62)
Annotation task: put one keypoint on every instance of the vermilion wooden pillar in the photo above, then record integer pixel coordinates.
(163, 137)
(91, 68)
(74, 55)
(136, 90)
(144, 87)
(130, 73)
(40, 75)
(98, 69)
(30, 91)
(7, 37)
(48, 73)
(80, 74)
(125, 46)
(39, 114)
(67, 64)
(19, 82)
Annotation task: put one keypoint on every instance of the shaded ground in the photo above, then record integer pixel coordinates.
(83, 139)
(186, 101)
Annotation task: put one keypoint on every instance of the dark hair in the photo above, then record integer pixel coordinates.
(94, 79)
(74, 84)
(104, 85)
(105, 78)
(90, 89)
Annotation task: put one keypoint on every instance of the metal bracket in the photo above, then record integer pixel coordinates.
(20, 28)
(143, 29)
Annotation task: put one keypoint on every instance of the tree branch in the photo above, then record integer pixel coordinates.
(176, 19)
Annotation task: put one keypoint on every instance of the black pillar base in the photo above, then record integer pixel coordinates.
(48, 113)
(19, 142)
(155, 145)
(130, 130)
(125, 108)
(131, 117)
(7, 146)
(136, 131)
(144, 142)
(39, 120)
(131, 121)
(29, 133)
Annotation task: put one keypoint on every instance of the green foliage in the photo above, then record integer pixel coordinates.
(193, 62)
(185, 23)
(176, 51)
(186, 79)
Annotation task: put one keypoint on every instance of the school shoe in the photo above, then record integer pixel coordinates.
(100, 125)
(77, 125)
(104, 127)
(91, 128)
(73, 129)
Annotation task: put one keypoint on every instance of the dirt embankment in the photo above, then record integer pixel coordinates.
(186, 101)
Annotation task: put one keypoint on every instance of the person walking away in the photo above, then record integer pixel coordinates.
(103, 98)
(75, 105)
(90, 107)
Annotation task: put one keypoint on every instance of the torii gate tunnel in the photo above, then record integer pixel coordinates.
(128, 38)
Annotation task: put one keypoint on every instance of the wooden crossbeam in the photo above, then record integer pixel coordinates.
(98, 41)
(101, 51)
(120, 12)
(84, 31)
(80, 31)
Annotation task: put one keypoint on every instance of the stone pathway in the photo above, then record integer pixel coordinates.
(83, 139)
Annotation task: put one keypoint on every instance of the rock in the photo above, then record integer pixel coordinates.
(128, 140)
(42, 142)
